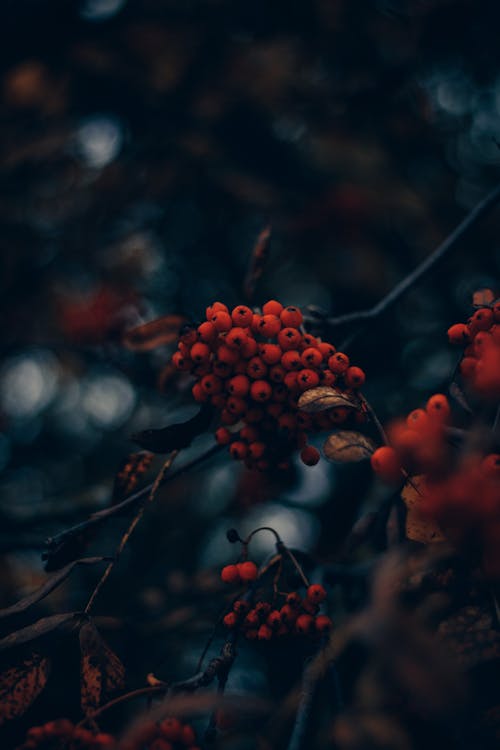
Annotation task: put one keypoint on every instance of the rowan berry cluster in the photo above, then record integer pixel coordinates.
(169, 734)
(298, 615)
(466, 505)
(417, 444)
(480, 337)
(62, 734)
(253, 368)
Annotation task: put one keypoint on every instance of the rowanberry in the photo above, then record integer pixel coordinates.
(252, 620)
(223, 436)
(289, 338)
(311, 357)
(326, 349)
(291, 360)
(288, 614)
(270, 353)
(236, 406)
(265, 633)
(198, 393)
(238, 450)
(260, 390)
(256, 368)
(304, 624)
(230, 620)
(257, 449)
(211, 384)
(188, 736)
(247, 570)
(236, 337)
(490, 466)
(338, 363)
(181, 362)
(323, 624)
(438, 406)
(386, 464)
(293, 599)
(354, 377)
(207, 332)
(328, 378)
(307, 379)
(239, 386)
(316, 593)
(249, 348)
(309, 455)
(269, 326)
(459, 334)
(272, 308)
(199, 352)
(249, 434)
(280, 392)
(291, 317)
(482, 320)
(171, 729)
(242, 316)
(222, 321)
(230, 574)
(274, 619)
(241, 607)
(418, 419)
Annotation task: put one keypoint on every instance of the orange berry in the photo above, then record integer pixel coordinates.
(181, 362)
(311, 357)
(269, 326)
(328, 378)
(417, 419)
(236, 338)
(316, 593)
(289, 338)
(238, 450)
(199, 352)
(207, 332)
(291, 317)
(291, 360)
(270, 353)
(438, 406)
(354, 377)
(242, 316)
(338, 363)
(230, 620)
(247, 570)
(385, 463)
(327, 350)
(222, 321)
(307, 379)
(256, 368)
(230, 574)
(249, 347)
(310, 455)
(468, 367)
(272, 308)
(482, 320)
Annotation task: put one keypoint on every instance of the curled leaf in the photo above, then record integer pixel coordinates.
(21, 685)
(419, 527)
(37, 629)
(159, 332)
(101, 670)
(52, 583)
(347, 446)
(324, 397)
(175, 436)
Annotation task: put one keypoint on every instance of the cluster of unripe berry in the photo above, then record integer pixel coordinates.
(480, 337)
(62, 734)
(298, 616)
(169, 734)
(417, 444)
(253, 368)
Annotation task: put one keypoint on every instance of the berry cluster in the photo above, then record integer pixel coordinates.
(169, 734)
(417, 444)
(466, 505)
(253, 368)
(480, 337)
(64, 735)
(298, 616)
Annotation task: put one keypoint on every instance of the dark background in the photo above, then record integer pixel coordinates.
(143, 146)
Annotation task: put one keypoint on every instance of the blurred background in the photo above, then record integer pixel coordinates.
(143, 146)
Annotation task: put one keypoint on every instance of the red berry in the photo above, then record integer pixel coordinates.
(482, 320)
(249, 348)
(242, 316)
(307, 379)
(270, 353)
(256, 368)
(288, 614)
(311, 357)
(222, 321)
(260, 390)
(323, 624)
(223, 436)
(386, 464)
(239, 386)
(274, 619)
(247, 571)
(171, 729)
(230, 574)
(316, 593)
(181, 362)
(459, 334)
(230, 620)
(272, 308)
(291, 360)
(304, 624)
(289, 338)
(418, 419)
(236, 406)
(211, 384)
(338, 363)
(354, 377)
(326, 349)
(207, 332)
(188, 737)
(277, 373)
(236, 338)
(198, 393)
(310, 455)
(490, 466)
(199, 352)
(438, 406)
(257, 450)
(238, 450)
(269, 326)
(293, 599)
(241, 607)
(265, 633)
(291, 317)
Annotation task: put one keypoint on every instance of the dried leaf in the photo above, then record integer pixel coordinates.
(39, 628)
(472, 636)
(134, 467)
(324, 397)
(419, 527)
(347, 445)
(47, 587)
(21, 685)
(483, 298)
(101, 670)
(156, 333)
(176, 436)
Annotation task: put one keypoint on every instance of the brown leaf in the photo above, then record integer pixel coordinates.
(347, 445)
(21, 685)
(472, 636)
(324, 397)
(47, 587)
(41, 627)
(164, 330)
(101, 670)
(419, 527)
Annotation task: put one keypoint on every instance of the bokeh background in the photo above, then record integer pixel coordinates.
(143, 146)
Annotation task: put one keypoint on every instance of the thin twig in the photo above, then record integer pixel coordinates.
(130, 530)
(428, 264)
